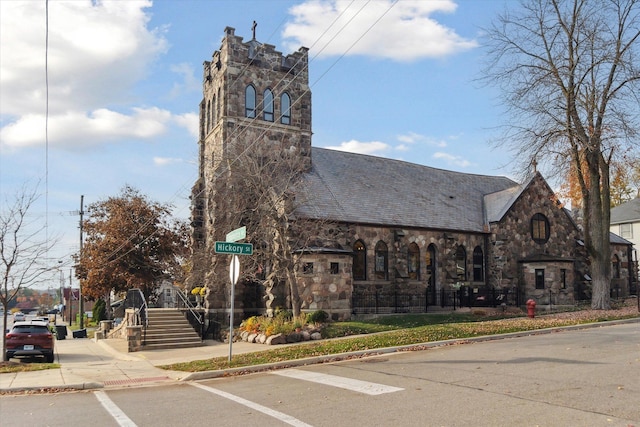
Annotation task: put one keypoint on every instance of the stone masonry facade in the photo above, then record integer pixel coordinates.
(503, 256)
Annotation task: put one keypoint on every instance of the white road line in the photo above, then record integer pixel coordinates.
(336, 381)
(113, 410)
(256, 406)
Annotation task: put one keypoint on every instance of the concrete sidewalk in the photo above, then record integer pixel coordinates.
(86, 364)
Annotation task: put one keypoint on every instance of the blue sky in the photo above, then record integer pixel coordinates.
(391, 79)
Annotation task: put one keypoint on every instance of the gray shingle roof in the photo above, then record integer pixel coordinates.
(615, 239)
(365, 189)
(626, 212)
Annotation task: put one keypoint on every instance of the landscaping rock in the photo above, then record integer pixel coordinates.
(276, 339)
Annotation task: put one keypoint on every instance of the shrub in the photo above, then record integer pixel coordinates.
(283, 314)
(99, 311)
(251, 324)
(318, 316)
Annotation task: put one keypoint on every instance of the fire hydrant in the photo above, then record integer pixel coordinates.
(531, 308)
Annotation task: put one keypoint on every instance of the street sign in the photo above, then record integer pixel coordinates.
(237, 234)
(234, 269)
(234, 248)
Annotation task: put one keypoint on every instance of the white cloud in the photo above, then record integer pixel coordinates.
(189, 81)
(97, 52)
(452, 160)
(405, 30)
(353, 146)
(189, 121)
(413, 138)
(164, 161)
(80, 129)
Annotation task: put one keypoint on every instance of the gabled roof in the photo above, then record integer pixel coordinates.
(358, 188)
(497, 204)
(617, 240)
(626, 212)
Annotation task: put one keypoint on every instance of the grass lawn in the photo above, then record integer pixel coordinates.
(404, 330)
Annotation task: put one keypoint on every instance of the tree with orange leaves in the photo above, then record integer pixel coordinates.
(131, 242)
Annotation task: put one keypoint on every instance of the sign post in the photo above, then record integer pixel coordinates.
(235, 249)
(234, 272)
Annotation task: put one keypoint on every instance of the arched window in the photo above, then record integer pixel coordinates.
(539, 228)
(615, 266)
(219, 109)
(268, 105)
(430, 265)
(461, 264)
(478, 264)
(413, 261)
(214, 117)
(207, 114)
(359, 261)
(250, 102)
(285, 109)
(382, 261)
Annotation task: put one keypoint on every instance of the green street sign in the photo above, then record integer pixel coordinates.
(234, 248)
(237, 234)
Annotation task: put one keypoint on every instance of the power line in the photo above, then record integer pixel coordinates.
(237, 133)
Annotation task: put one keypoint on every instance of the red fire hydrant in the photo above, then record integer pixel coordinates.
(531, 308)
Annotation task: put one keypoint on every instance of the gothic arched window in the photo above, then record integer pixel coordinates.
(382, 261)
(268, 105)
(359, 261)
(478, 264)
(461, 264)
(250, 102)
(285, 109)
(413, 261)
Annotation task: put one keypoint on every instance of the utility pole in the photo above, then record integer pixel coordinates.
(80, 279)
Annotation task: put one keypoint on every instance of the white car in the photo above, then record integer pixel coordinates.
(18, 316)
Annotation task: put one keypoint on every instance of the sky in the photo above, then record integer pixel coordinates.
(113, 100)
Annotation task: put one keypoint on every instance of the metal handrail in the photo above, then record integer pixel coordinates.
(195, 314)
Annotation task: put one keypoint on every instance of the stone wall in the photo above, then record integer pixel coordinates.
(515, 255)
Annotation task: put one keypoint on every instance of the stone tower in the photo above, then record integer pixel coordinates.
(254, 98)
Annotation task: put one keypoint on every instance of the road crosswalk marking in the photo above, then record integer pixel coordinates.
(256, 406)
(336, 381)
(118, 415)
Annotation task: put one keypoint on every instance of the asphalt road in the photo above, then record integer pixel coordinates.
(585, 377)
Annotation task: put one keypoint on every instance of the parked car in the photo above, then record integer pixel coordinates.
(30, 338)
(18, 316)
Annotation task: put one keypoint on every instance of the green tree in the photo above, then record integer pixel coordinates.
(568, 72)
(131, 242)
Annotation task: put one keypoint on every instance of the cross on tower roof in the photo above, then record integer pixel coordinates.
(253, 28)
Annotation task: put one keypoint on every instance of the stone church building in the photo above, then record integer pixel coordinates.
(411, 236)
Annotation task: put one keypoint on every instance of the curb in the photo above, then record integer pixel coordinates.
(53, 388)
(204, 375)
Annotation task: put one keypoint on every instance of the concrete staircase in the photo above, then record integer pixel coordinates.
(169, 328)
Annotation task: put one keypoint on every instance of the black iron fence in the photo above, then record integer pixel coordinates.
(387, 302)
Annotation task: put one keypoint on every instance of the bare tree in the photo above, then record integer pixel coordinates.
(262, 189)
(23, 248)
(568, 71)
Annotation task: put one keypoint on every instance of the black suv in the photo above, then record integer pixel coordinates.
(30, 338)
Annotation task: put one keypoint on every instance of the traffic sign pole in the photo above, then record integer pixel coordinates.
(234, 272)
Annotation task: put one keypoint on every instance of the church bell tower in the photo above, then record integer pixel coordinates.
(254, 98)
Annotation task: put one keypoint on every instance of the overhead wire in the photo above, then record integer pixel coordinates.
(238, 132)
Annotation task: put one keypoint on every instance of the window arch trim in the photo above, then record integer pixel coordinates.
(382, 261)
(250, 102)
(285, 109)
(359, 267)
(267, 100)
